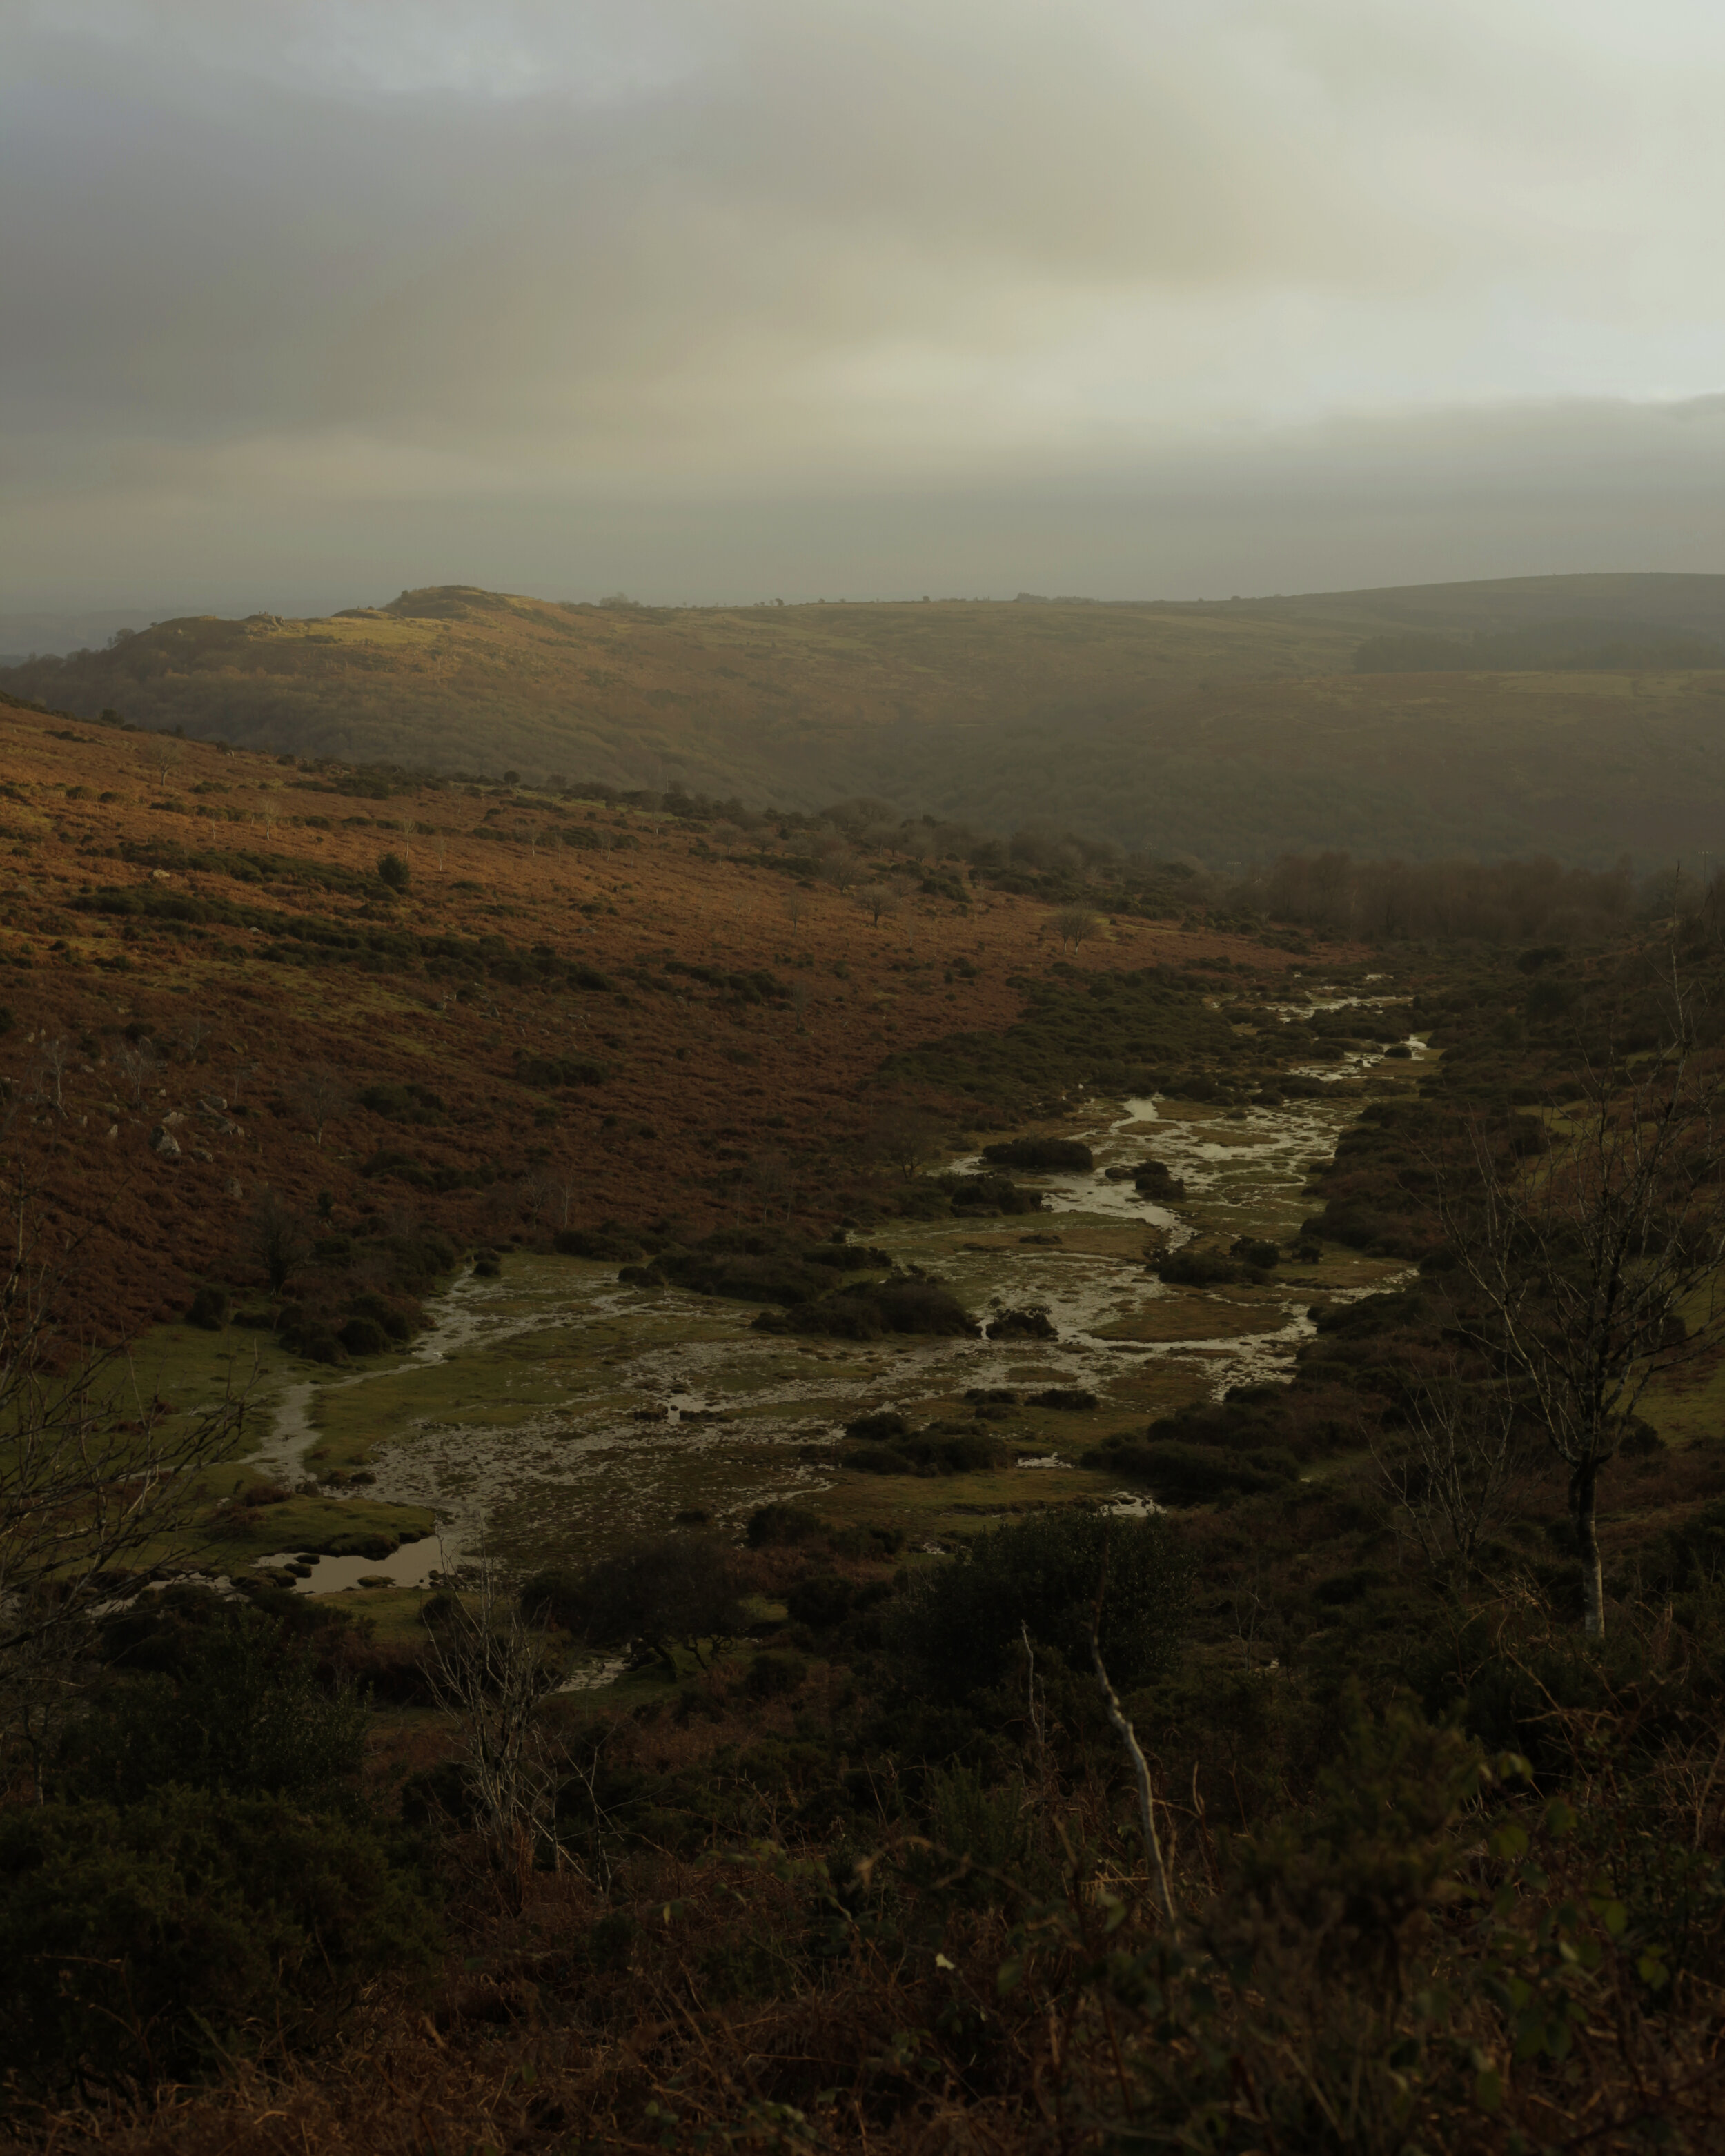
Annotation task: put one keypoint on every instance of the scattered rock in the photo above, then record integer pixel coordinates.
(164, 1141)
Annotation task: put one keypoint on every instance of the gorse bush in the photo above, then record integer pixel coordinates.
(237, 1708)
(679, 1591)
(152, 1941)
(961, 1622)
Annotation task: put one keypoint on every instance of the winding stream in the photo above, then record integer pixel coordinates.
(554, 1412)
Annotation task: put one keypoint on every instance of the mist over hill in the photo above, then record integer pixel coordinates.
(1576, 715)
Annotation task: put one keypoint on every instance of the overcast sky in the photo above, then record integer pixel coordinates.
(308, 301)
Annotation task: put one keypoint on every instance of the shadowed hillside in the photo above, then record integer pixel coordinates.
(1230, 732)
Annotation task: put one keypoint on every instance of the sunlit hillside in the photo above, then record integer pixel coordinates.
(1228, 732)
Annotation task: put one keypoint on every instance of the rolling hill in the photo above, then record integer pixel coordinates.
(1227, 730)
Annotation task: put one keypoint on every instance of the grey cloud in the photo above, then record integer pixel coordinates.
(882, 296)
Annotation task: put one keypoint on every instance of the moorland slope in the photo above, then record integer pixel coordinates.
(574, 1011)
(1229, 731)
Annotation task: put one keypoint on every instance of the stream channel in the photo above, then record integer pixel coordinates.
(552, 1414)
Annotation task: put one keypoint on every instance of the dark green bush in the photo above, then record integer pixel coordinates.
(959, 1622)
(1201, 1269)
(232, 1705)
(1152, 1178)
(315, 1340)
(882, 1428)
(869, 1310)
(398, 1322)
(363, 1335)
(208, 1308)
(772, 1676)
(878, 1459)
(1033, 1323)
(775, 1525)
(612, 1245)
(560, 1070)
(820, 1600)
(1040, 1153)
(394, 872)
(147, 1941)
(676, 1591)
(928, 1454)
(1195, 1474)
(979, 1195)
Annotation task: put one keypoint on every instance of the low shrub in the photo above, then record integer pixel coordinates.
(1202, 1268)
(363, 1335)
(959, 1623)
(772, 1525)
(880, 1428)
(315, 1340)
(208, 1308)
(1033, 1323)
(152, 1942)
(1152, 1178)
(773, 1676)
(1046, 1154)
(560, 1070)
(222, 1702)
(609, 1244)
(1194, 1474)
(870, 1310)
(982, 1195)
(933, 1453)
(820, 1600)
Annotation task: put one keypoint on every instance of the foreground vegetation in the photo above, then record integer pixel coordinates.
(854, 1850)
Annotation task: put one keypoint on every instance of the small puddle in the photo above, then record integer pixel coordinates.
(414, 1565)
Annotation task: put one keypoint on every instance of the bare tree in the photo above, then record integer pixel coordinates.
(800, 999)
(775, 1183)
(53, 1059)
(137, 1062)
(1123, 1729)
(278, 1239)
(879, 899)
(552, 1194)
(839, 865)
(1453, 1479)
(796, 906)
(490, 1671)
(321, 1096)
(95, 1477)
(906, 1137)
(1594, 1267)
(1074, 924)
(162, 754)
